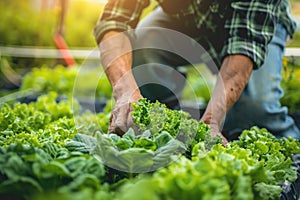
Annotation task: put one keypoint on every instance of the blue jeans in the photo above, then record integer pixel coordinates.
(159, 79)
(259, 103)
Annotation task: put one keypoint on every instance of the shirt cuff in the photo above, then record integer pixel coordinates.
(253, 50)
(104, 26)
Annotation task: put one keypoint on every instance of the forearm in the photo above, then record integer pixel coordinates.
(231, 81)
(116, 57)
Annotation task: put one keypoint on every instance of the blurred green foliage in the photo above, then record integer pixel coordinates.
(81, 18)
(200, 84)
(24, 23)
(80, 82)
(290, 83)
(295, 42)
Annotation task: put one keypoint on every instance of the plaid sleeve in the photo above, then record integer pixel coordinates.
(250, 28)
(119, 15)
(285, 18)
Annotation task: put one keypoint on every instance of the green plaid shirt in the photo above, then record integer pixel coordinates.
(246, 26)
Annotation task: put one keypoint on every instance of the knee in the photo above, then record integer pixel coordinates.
(262, 107)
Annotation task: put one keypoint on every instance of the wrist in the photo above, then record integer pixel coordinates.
(214, 114)
(211, 122)
(126, 92)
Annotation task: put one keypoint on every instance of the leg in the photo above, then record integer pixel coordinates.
(159, 51)
(259, 104)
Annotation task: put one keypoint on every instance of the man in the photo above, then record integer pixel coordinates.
(234, 33)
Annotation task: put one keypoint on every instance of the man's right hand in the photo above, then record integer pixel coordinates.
(116, 58)
(121, 119)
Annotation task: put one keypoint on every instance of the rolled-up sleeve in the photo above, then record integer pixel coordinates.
(120, 15)
(250, 29)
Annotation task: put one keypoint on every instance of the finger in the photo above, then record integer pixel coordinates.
(120, 126)
(119, 130)
(224, 141)
(121, 121)
(215, 132)
(114, 126)
(111, 128)
(131, 124)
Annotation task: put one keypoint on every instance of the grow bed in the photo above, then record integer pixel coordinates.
(45, 152)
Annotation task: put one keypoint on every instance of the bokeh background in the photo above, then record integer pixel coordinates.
(29, 48)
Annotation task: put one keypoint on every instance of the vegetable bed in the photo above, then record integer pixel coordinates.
(49, 149)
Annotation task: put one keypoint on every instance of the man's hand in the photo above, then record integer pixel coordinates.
(116, 58)
(121, 119)
(231, 81)
(215, 131)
